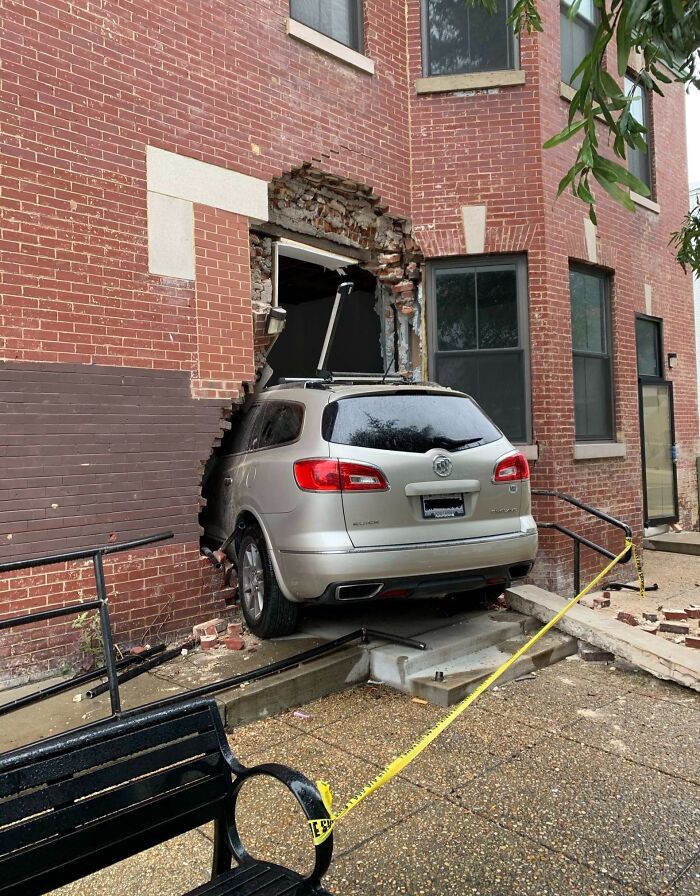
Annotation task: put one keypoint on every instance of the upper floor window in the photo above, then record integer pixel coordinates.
(340, 20)
(590, 332)
(576, 37)
(638, 161)
(479, 337)
(460, 39)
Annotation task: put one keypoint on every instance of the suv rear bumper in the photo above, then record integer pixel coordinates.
(458, 565)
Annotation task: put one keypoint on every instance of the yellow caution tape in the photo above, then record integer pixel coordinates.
(322, 827)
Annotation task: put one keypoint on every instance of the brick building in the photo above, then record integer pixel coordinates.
(172, 169)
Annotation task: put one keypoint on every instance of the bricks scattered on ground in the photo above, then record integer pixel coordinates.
(210, 627)
(674, 614)
(208, 642)
(592, 654)
(234, 628)
(676, 628)
(603, 600)
(650, 627)
(138, 650)
(693, 611)
(651, 617)
(692, 641)
(628, 618)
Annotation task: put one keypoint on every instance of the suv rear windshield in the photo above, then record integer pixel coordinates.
(414, 422)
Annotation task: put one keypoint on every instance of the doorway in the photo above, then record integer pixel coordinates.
(657, 429)
(306, 290)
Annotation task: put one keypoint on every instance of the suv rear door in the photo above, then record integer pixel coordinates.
(413, 437)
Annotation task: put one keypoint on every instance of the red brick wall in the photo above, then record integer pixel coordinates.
(85, 87)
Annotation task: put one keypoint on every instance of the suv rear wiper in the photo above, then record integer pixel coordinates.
(444, 442)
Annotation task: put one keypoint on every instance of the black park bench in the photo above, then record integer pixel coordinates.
(76, 803)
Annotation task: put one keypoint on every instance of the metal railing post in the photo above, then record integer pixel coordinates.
(577, 566)
(110, 662)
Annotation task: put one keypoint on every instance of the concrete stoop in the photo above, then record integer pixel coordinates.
(675, 542)
(460, 656)
(660, 658)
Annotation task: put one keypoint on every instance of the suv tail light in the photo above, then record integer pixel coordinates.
(318, 474)
(511, 468)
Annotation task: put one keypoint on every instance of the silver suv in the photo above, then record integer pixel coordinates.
(332, 492)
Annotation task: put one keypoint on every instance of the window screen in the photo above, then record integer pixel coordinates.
(463, 38)
(479, 346)
(339, 19)
(590, 331)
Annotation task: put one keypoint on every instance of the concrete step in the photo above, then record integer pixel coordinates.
(659, 657)
(464, 675)
(394, 664)
(675, 542)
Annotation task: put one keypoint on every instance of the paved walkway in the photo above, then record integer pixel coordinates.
(583, 780)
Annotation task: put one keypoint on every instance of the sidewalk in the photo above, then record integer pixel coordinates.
(582, 780)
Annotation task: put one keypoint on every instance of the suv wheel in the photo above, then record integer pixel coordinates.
(266, 610)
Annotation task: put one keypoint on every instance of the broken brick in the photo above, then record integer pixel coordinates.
(651, 617)
(208, 642)
(628, 618)
(234, 628)
(692, 612)
(650, 628)
(233, 642)
(604, 601)
(692, 641)
(211, 626)
(674, 614)
(677, 628)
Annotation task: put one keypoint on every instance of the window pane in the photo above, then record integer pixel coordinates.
(592, 398)
(281, 424)
(637, 160)
(335, 18)
(463, 39)
(586, 9)
(498, 309)
(456, 311)
(495, 381)
(587, 313)
(576, 42)
(648, 350)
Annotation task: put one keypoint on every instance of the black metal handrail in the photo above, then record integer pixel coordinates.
(100, 604)
(579, 540)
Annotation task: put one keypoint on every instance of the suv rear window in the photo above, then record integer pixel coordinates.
(413, 422)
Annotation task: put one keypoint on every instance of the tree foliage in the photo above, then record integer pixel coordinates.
(659, 40)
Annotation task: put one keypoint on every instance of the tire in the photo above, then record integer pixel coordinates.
(266, 610)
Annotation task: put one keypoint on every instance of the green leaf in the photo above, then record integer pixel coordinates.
(614, 191)
(566, 134)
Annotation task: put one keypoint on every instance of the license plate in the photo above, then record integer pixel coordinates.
(442, 507)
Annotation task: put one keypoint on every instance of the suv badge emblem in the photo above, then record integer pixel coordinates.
(442, 465)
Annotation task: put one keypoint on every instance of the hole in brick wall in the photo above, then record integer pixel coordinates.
(307, 293)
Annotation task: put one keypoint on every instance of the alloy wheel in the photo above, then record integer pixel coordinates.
(252, 582)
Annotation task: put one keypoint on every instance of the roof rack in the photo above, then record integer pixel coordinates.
(346, 379)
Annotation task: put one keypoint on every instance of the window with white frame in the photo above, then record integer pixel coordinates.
(340, 20)
(460, 39)
(577, 34)
(479, 336)
(639, 161)
(592, 354)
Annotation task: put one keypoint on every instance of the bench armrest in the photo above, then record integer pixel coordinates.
(308, 797)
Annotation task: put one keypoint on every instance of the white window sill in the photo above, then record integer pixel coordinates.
(332, 47)
(473, 81)
(531, 452)
(566, 91)
(595, 450)
(645, 202)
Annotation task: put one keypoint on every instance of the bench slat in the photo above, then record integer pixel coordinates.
(260, 878)
(62, 793)
(41, 766)
(48, 864)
